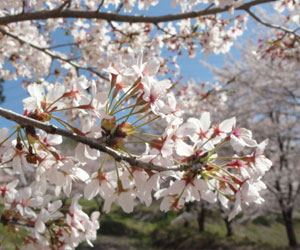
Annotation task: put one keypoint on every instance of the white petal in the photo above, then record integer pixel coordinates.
(227, 125)
(91, 189)
(183, 149)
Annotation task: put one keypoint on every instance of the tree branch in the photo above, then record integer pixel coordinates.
(273, 26)
(54, 56)
(67, 3)
(66, 13)
(99, 6)
(92, 142)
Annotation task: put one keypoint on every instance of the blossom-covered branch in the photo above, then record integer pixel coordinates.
(273, 26)
(53, 55)
(98, 144)
(67, 13)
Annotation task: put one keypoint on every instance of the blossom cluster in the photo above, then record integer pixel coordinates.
(282, 47)
(29, 48)
(183, 164)
(211, 96)
(122, 103)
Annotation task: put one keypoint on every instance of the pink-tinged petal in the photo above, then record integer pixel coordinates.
(205, 121)
(151, 68)
(57, 215)
(26, 193)
(54, 139)
(161, 193)
(237, 207)
(81, 174)
(154, 181)
(209, 196)
(12, 184)
(200, 184)
(91, 189)
(194, 123)
(3, 134)
(108, 201)
(55, 92)
(125, 200)
(227, 125)
(245, 132)
(36, 202)
(224, 201)
(91, 153)
(52, 207)
(176, 187)
(95, 216)
(36, 91)
(39, 226)
(236, 143)
(17, 165)
(261, 147)
(187, 129)
(67, 186)
(250, 142)
(29, 212)
(74, 203)
(183, 149)
(193, 195)
(166, 203)
(167, 148)
(106, 189)
(79, 153)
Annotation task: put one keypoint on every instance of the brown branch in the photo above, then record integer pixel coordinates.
(66, 13)
(92, 142)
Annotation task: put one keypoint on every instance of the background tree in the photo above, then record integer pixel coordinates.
(267, 100)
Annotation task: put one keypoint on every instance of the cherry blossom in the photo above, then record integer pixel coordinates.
(111, 86)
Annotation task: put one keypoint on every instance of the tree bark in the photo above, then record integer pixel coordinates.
(229, 231)
(188, 207)
(289, 226)
(201, 217)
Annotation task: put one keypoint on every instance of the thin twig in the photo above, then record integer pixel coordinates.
(66, 3)
(100, 5)
(62, 45)
(273, 26)
(119, 8)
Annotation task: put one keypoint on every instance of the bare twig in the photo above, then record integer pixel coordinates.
(119, 7)
(62, 45)
(118, 30)
(66, 3)
(23, 6)
(100, 5)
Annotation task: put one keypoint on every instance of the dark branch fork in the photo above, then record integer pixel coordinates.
(67, 13)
